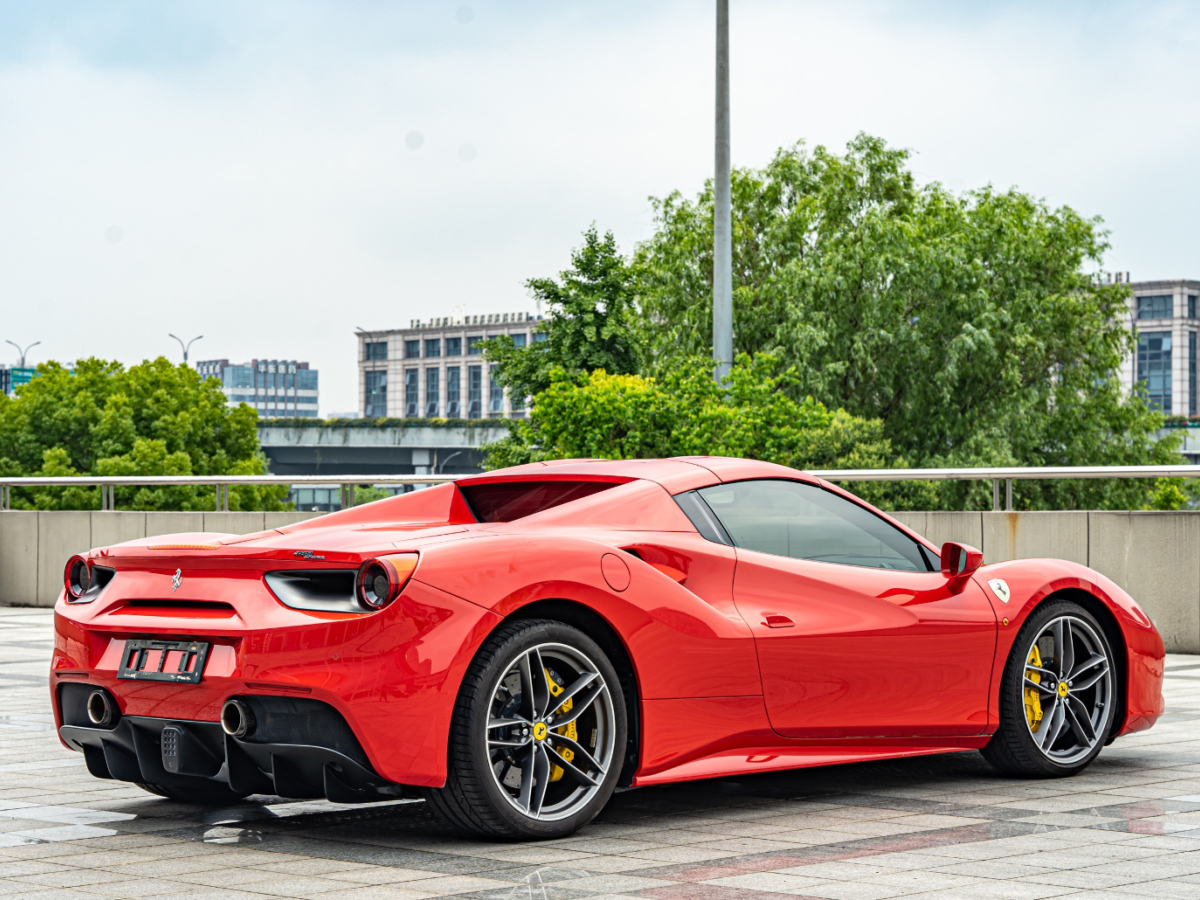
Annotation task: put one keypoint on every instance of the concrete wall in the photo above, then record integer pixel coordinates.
(35, 546)
(1155, 556)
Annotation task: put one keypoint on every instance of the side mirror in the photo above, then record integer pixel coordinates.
(959, 560)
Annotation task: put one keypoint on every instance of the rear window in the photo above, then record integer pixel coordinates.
(506, 501)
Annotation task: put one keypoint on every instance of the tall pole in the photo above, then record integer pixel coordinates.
(722, 212)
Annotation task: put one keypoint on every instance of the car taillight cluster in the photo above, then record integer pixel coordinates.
(381, 580)
(78, 577)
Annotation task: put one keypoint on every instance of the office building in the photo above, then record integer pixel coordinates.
(12, 377)
(1163, 364)
(435, 369)
(276, 388)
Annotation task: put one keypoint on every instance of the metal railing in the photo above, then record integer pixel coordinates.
(221, 483)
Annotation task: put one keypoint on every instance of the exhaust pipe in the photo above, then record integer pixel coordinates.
(237, 719)
(100, 710)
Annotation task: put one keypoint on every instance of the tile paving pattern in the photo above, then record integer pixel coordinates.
(943, 827)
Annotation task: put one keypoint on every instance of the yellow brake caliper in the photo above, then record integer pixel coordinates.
(570, 731)
(1033, 698)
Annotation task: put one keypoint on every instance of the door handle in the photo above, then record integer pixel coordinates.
(774, 620)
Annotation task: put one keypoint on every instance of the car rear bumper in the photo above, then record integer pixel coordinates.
(300, 749)
(391, 677)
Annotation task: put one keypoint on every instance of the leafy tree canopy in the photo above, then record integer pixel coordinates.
(968, 325)
(150, 419)
(589, 313)
(685, 413)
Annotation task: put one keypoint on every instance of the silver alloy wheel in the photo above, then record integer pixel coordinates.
(550, 732)
(1068, 671)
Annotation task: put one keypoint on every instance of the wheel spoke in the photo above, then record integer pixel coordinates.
(526, 795)
(1044, 688)
(1045, 673)
(504, 723)
(1066, 647)
(569, 767)
(541, 777)
(519, 742)
(1088, 673)
(1081, 722)
(535, 692)
(581, 706)
(576, 686)
(576, 748)
(1052, 724)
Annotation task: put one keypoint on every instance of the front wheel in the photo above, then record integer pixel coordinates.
(1057, 695)
(538, 735)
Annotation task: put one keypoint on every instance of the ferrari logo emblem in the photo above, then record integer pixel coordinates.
(1000, 588)
(176, 580)
(539, 731)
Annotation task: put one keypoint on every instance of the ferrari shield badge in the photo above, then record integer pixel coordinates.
(1000, 588)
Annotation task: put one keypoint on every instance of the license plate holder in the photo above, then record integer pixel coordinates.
(180, 662)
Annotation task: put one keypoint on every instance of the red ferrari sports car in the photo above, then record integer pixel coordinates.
(518, 644)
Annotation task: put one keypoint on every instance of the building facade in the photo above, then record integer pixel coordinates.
(276, 388)
(435, 369)
(12, 377)
(1163, 365)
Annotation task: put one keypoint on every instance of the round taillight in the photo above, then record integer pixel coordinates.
(381, 580)
(375, 586)
(78, 577)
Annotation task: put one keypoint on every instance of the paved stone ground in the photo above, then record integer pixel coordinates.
(934, 827)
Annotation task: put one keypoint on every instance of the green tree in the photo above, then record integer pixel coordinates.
(150, 419)
(685, 413)
(968, 325)
(589, 314)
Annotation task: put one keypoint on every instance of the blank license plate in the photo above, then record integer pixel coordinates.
(178, 661)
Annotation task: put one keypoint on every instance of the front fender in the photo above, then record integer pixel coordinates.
(1031, 581)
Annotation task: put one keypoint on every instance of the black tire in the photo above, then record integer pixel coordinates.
(208, 793)
(1013, 749)
(473, 799)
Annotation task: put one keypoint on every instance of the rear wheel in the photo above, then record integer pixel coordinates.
(538, 735)
(205, 793)
(1057, 696)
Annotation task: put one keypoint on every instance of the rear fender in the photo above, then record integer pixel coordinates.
(680, 645)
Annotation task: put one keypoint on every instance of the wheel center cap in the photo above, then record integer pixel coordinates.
(540, 730)
(1062, 689)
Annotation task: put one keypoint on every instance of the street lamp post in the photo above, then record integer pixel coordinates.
(186, 347)
(722, 210)
(21, 364)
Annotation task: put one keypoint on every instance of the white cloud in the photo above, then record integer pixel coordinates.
(266, 195)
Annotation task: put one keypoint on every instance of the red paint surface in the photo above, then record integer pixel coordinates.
(877, 664)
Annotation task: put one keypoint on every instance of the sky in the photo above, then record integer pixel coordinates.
(274, 174)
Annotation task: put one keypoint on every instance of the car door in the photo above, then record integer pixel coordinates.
(858, 633)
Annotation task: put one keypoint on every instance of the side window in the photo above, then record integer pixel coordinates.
(803, 521)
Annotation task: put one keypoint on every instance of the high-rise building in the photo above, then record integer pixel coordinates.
(276, 388)
(435, 369)
(1163, 365)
